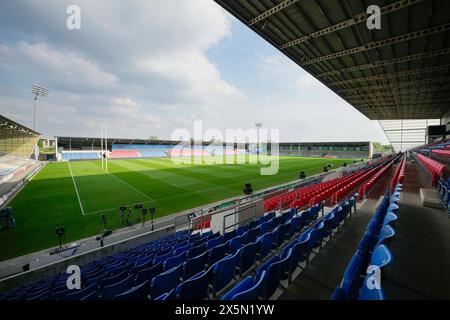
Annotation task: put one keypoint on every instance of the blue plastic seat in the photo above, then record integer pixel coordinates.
(274, 275)
(338, 294)
(352, 280)
(174, 261)
(166, 281)
(385, 233)
(114, 279)
(195, 251)
(287, 265)
(316, 236)
(253, 224)
(224, 271)
(217, 253)
(162, 258)
(90, 297)
(244, 285)
(247, 256)
(304, 251)
(265, 266)
(149, 274)
(214, 242)
(241, 230)
(264, 227)
(389, 218)
(112, 290)
(393, 208)
(194, 265)
(144, 264)
(247, 289)
(294, 226)
(381, 256)
(254, 292)
(167, 296)
(373, 293)
(266, 242)
(282, 233)
(75, 294)
(182, 249)
(139, 292)
(250, 235)
(195, 288)
(229, 235)
(235, 244)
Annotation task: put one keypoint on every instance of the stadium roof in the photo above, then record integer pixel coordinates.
(78, 142)
(398, 72)
(334, 143)
(11, 129)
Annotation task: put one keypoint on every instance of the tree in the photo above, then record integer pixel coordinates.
(154, 137)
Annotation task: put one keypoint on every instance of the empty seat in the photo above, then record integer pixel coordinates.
(195, 251)
(166, 281)
(195, 288)
(194, 265)
(381, 256)
(235, 244)
(78, 294)
(247, 256)
(386, 233)
(139, 292)
(217, 253)
(214, 242)
(167, 296)
(266, 244)
(149, 274)
(162, 258)
(112, 290)
(174, 261)
(224, 271)
(247, 289)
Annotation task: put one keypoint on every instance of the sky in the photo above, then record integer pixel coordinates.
(151, 67)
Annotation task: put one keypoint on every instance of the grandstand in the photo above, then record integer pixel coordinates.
(325, 227)
(361, 150)
(17, 145)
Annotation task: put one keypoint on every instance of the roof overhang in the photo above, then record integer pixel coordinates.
(400, 71)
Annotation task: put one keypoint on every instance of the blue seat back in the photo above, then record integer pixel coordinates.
(381, 256)
(195, 288)
(248, 255)
(224, 271)
(149, 274)
(174, 261)
(166, 281)
(139, 292)
(217, 253)
(195, 251)
(194, 265)
(235, 244)
(112, 290)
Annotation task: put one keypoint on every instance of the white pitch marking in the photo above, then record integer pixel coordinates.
(76, 189)
(140, 192)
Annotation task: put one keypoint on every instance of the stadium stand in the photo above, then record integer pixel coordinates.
(372, 254)
(200, 260)
(432, 167)
(358, 150)
(80, 155)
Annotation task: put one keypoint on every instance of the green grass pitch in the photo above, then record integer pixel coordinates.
(51, 200)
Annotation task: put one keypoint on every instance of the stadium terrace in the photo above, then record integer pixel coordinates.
(103, 217)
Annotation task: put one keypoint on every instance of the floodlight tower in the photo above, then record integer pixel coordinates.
(258, 125)
(38, 91)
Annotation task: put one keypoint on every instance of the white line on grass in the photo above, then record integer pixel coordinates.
(76, 190)
(140, 192)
